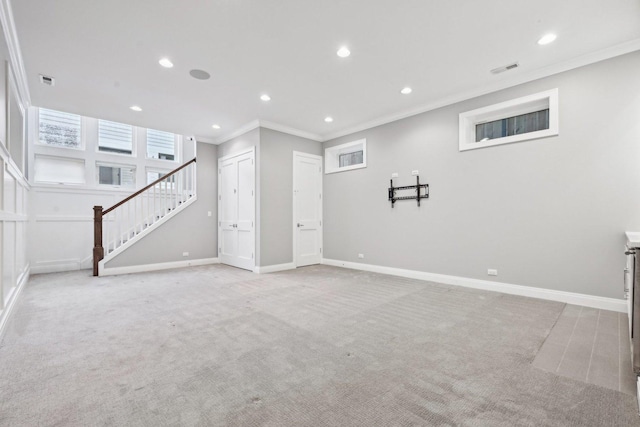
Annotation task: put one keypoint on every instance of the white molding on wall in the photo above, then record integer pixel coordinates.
(602, 303)
(155, 267)
(6, 313)
(238, 132)
(289, 130)
(15, 54)
(540, 73)
(274, 268)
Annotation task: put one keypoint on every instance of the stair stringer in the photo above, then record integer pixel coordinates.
(132, 241)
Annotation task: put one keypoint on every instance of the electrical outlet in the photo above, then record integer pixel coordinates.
(492, 272)
(415, 172)
(185, 253)
(208, 213)
(394, 175)
(360, 256)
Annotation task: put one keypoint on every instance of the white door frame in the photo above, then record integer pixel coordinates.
(293, 198)
(252, 151)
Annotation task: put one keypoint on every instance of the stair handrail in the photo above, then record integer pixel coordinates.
(142, 190)
(98, 214)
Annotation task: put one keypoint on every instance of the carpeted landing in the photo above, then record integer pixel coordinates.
(316, 346)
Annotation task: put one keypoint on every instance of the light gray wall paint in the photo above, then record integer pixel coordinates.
(191, 230)
(276, 182)
(548, 213)
(237, 145)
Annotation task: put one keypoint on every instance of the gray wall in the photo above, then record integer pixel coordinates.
(276, 183)
(191, 230)
(548, 213)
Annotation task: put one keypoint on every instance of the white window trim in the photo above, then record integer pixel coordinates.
(83, 129)
(527, 104)
(134, 141)
(332, 154)
(98, 164)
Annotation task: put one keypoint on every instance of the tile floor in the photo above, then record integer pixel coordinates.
(590, 345)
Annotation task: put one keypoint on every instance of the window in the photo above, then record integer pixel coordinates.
(160, 145)
(59, 129)
(121, 176)
(522, 119)
(352, 155)
(153, 175)
(59, 170)
(115, 137)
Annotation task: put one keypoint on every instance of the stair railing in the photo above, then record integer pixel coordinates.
(126, 219)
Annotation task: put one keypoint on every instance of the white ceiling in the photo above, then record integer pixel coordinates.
(104, 56)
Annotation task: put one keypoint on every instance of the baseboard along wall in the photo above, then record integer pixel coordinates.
(6, 312)
(603, 303)
(106, 271)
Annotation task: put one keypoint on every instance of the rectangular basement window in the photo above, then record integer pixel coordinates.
(344, 157)
(530, 117)
(115, 175)
(58, 170)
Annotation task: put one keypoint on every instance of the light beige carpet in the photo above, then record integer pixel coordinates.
(318, 346)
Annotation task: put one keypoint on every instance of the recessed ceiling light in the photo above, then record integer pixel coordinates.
(199, 74)
(265, 97)
(547, 38)
(328, 119)
(216, 126)
(406, 90)
(343, 52)
(166, 63)
(135, 108)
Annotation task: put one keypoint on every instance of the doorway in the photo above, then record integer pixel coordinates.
(307, 209)
(236, 209)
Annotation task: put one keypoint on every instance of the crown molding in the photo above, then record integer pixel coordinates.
(205, 139)
(15, 55)
(580, 61)
(291, 131)
(240, 131)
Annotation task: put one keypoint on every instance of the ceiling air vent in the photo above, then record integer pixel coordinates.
(47, 80)
(505, 68)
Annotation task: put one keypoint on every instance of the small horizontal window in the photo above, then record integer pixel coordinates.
(530, 117)
(344, 157)
(58, 170)
(155, 175)
(121, 176)
(161, 145)
(59, 129)
(115, 137)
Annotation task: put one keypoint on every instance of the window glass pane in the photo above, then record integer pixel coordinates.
(115, 137)
(516, 125)
(160, 145)
(349, 159)
(59, 170)
(59, 129)
(123, 176)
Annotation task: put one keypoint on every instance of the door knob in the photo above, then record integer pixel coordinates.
(300, 225)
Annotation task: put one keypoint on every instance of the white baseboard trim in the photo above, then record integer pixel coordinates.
(4, 314)
(57, 266)
(274, 268)
(602, 303)
(155, 267)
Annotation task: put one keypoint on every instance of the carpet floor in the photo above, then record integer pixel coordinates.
(316, 346)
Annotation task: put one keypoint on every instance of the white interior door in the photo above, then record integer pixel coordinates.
(236, 210)
(307, 209)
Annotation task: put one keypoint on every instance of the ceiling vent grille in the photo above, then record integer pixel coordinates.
(505, 68)
(47, 80)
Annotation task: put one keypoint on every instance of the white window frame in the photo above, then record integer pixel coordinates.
(332, 156)
(115, 165)
(177, 147)
(526, 104)
(83, 128)
(134, 141)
